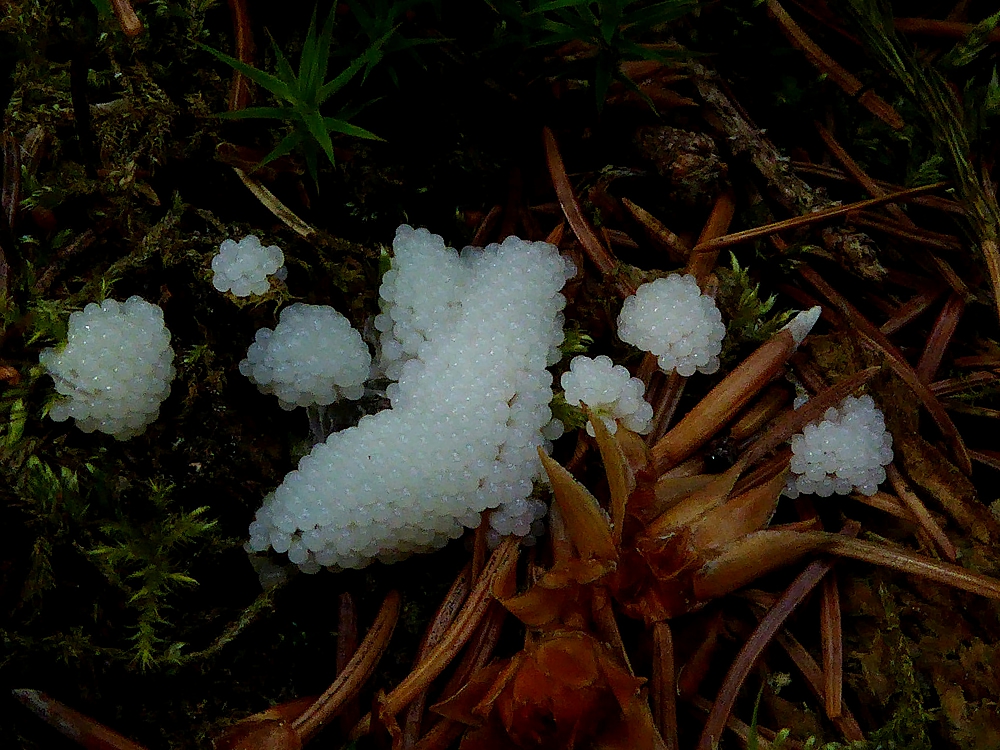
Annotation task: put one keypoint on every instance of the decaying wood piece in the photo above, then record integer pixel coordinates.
(853, 249)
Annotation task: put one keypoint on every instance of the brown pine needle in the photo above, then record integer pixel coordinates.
(833, 645)
(358, 670)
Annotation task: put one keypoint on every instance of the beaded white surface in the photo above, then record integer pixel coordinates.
(313, 356)
(115, 369)
(243, 267)
(846, 451)
(673, 320)
(473, 333)
(609, 391)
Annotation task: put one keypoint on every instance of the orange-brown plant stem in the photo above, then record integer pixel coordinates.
(826, 65)
(663, 688)
(923, 516)
(723, 402)
(895, 359)
(599, 255)
(347, 647)
(501, 562)
(358, 670)
(743, 732)
(939, 338)
(911, 310)
(702, 260)
(445, 615)
(941, 29)
(831, 637)
(129, 21)
(239, 86)
(657, 233)
(813, 675)
(80, 728)
(763, 634)
(795, 222)
(958, 385)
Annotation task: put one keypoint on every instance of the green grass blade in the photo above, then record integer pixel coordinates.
(323, 51)
(285, 72)
(342, 126)
(658, 13)
(272, 83)
(317, 128)
(307, 60)
(287, 143)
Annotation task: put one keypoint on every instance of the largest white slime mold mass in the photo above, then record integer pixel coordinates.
(468, 336)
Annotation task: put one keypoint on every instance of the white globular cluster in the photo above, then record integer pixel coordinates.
(468, 337)
(673, 320)
(609, 391)
(846, 451)
(115, 369)
(243, 267)
(313, 356)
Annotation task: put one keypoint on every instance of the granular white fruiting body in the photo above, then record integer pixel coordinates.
(313, 356)
(243, 267)
(673, 320)
(469, 337)
(610, 393)
(115, 369)
(846, 451)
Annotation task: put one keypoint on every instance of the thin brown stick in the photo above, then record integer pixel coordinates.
(599, 255)
(443, 617)
(941, 29)
(795, 419)
(825, 64)
(795, 222)
(663, 689)
(239, 86)
(813, 675)
(987, 458)
(657, 233)
(895, 359)
(347, 647)
(275, 206)
(907, 232)
(887, 503)
(923, 516)
(855, 171)
(832, 173)
(355, 674)
(500, 563)
(833, 645)
(703, 258)
(959, 385)
(487, 225)
(939, 338)
(911, 310)
(765, 631)
(913, 564)
(73, 724)
(127, 19)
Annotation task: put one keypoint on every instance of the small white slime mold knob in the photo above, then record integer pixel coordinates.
(313, 356)
(844, 452)
(673, 320)
(115, 369)
(609, 391)
(243, 267)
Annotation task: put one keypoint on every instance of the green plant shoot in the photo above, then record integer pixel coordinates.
(303, 94)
